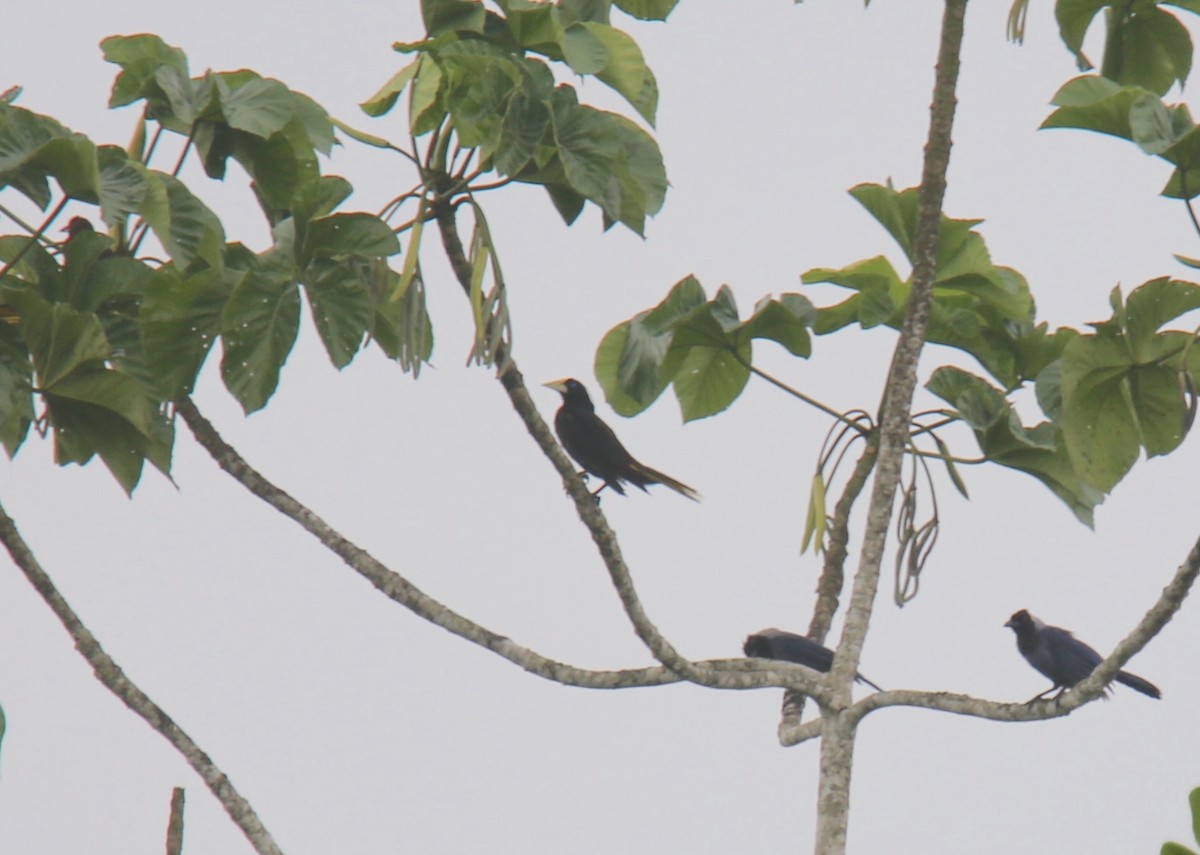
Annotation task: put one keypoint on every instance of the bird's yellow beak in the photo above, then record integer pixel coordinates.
(559, 386)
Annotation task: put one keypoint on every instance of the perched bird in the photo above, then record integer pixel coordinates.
(80, 225)
(596, 448)
(1062, 657)
(777, 644)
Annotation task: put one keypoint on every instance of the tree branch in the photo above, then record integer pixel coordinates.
(1086, 691)
(110, 674)
(722, 673)
(837, 738)
(902, 375)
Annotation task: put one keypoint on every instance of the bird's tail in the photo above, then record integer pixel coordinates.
(863, 679)
(1135, 682)
(653, 476)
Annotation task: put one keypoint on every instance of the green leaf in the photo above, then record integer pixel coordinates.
(281, 165)
(16, 397)
(180, 320)
(425, 105)
(317, 124)
(524, 125)
(1095, 104)
(1160, 404)
(645, 344)
(1194, 804)
(99, 411)
(1074, 19)
(536, 26)
(1153, 304)
(34, 146)
(109, 389)
(710, 379)
(140, 58)
(647, 10)
(615, 59)
(583, 50)
(815, 518)
(60, 338)
(383, 100)
(567, 202)
(452, 16)
(341, 306)
(184, 225)
(258, 327)
(607, 368)
(122, 184)
(257, 105)
(785, 321)
(1175, 849)
(1099, 427)
(361, 136)
(1037, 451)
(588, 143)
(1150, 124)
(1156, 50)
(187, 98)
(339, 236)
(980, 404)
(891, 211)
(951, 469)
(637, 186)
(401, 328)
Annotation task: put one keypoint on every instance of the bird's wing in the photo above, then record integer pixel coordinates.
(796, 648)
(593, 445)
(1067, 660)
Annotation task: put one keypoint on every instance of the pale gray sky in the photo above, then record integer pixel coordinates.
(353, 726)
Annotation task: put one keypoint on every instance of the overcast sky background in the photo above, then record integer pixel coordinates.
(353, 726)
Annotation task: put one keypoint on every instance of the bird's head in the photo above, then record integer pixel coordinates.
(757, 646)
(1022, 621)
(572, 391)
(77, 226)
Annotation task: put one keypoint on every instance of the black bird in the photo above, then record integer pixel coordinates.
(777, 644)
(1062, 657)
(596, 448)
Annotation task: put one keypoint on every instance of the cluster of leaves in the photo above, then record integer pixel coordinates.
(1107, 394)
(1145, 45)
(1147, 51)
(473, 75)
(107, 338)
(1137, 114)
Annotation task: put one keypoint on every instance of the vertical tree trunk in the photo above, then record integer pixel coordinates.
(833, 795)
(837, 739)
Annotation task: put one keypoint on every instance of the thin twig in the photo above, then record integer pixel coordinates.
(812, 402)
(175, 823)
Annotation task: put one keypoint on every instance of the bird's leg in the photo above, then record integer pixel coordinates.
(1048, 691)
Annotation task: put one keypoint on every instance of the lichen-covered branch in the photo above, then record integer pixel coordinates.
(1156, 617)
(110, 674)
(721, 673)
(838, 734)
